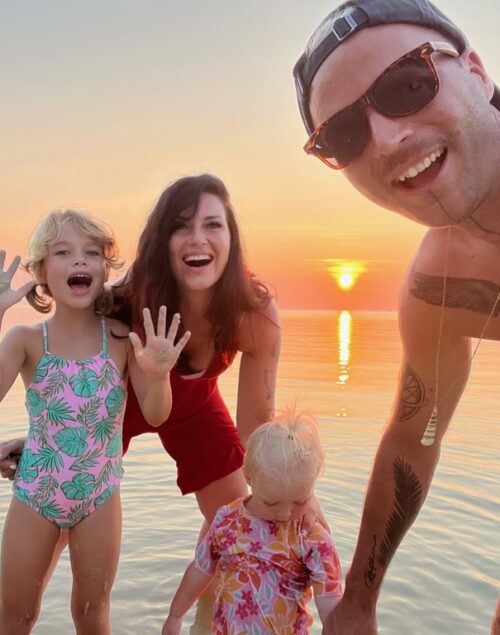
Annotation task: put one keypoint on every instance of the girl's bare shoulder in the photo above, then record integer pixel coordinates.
(26, 333)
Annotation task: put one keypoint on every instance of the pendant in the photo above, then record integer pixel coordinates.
(430, 431)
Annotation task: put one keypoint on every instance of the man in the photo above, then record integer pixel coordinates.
(391, 92)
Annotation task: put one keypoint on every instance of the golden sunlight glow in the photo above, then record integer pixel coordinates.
(344, 329)
(345, 281)
(345, 272)
(344, 333)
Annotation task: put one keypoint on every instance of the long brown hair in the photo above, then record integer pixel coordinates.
(150, 281)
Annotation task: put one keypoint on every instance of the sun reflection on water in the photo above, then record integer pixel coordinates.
(344, 329)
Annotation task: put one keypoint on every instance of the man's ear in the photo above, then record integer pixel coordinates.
(475, 66)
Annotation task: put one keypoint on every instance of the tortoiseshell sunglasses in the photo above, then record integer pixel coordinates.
(405, 87)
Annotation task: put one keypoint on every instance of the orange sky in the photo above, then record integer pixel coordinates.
(104, 103)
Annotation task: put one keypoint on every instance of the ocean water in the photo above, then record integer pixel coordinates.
(343, 366)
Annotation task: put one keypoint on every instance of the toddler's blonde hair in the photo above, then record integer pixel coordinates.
(47, 231)
(288, 446)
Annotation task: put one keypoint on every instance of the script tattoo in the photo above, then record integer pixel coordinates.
(407, 501)
(371, 572)
(412, 397)
(471, 294)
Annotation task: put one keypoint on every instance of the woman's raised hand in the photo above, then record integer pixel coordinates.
(157, 358)
(9, 296)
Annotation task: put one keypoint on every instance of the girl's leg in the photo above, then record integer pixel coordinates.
(210, 498)
(28, 557)
(94, 549)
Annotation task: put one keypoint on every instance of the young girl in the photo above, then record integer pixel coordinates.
(266, 566)
(75, 374)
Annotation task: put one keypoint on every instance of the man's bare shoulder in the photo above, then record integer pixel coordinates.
(457, 253)
(433, 253)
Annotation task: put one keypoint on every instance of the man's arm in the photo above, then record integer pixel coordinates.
(403, 468)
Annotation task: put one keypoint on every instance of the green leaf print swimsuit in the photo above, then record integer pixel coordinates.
(72, 458)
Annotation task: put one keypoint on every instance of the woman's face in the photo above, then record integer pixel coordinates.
(199, 246)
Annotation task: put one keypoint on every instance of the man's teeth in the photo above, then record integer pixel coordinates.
(420, 167)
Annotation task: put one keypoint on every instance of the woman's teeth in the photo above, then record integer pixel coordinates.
(198, 260)
(422, 166)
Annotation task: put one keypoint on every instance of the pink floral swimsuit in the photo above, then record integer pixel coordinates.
(71, 461)
(265, 572)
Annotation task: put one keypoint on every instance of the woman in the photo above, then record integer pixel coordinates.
(190, 259)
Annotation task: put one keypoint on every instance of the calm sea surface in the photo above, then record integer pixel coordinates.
(445, 577)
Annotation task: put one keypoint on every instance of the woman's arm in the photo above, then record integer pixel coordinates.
(150, 367)
(260, 341)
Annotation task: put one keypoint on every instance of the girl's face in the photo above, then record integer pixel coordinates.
(279, 501)
(74, 268)
(199, 246)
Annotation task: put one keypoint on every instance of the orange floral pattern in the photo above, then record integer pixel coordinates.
(266, 572)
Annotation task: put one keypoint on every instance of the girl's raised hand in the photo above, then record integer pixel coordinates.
(157, 358)
(9, 296)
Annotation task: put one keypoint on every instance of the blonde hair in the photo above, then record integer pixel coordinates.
(288, 445)
(47, 231)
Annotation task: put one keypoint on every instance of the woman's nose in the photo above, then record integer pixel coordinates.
(197, 234)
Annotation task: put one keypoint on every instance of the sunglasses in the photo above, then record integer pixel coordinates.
(404, 88)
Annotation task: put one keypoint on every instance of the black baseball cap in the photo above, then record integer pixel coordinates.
(354, 15)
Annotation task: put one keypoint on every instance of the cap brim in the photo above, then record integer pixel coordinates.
(495, 100)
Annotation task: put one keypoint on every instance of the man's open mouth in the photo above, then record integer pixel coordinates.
(424, 171)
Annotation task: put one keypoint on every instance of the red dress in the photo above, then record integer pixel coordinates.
(199, 434)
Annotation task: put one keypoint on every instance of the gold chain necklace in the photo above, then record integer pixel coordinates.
(429, 435)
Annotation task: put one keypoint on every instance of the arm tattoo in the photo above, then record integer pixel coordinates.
(408, 497)
(412, 398)
(371, 572)
(471, 294)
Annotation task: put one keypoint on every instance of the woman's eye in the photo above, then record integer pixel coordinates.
(61, 252)
(93, 252)
(214, 225)
(179, 226)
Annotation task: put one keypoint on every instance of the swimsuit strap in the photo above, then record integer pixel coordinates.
(45, 338)
(104, 338)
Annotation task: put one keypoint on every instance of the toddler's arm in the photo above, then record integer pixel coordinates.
(192, 585)
(150, 369)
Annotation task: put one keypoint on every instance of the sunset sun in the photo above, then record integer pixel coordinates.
(345, 272)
